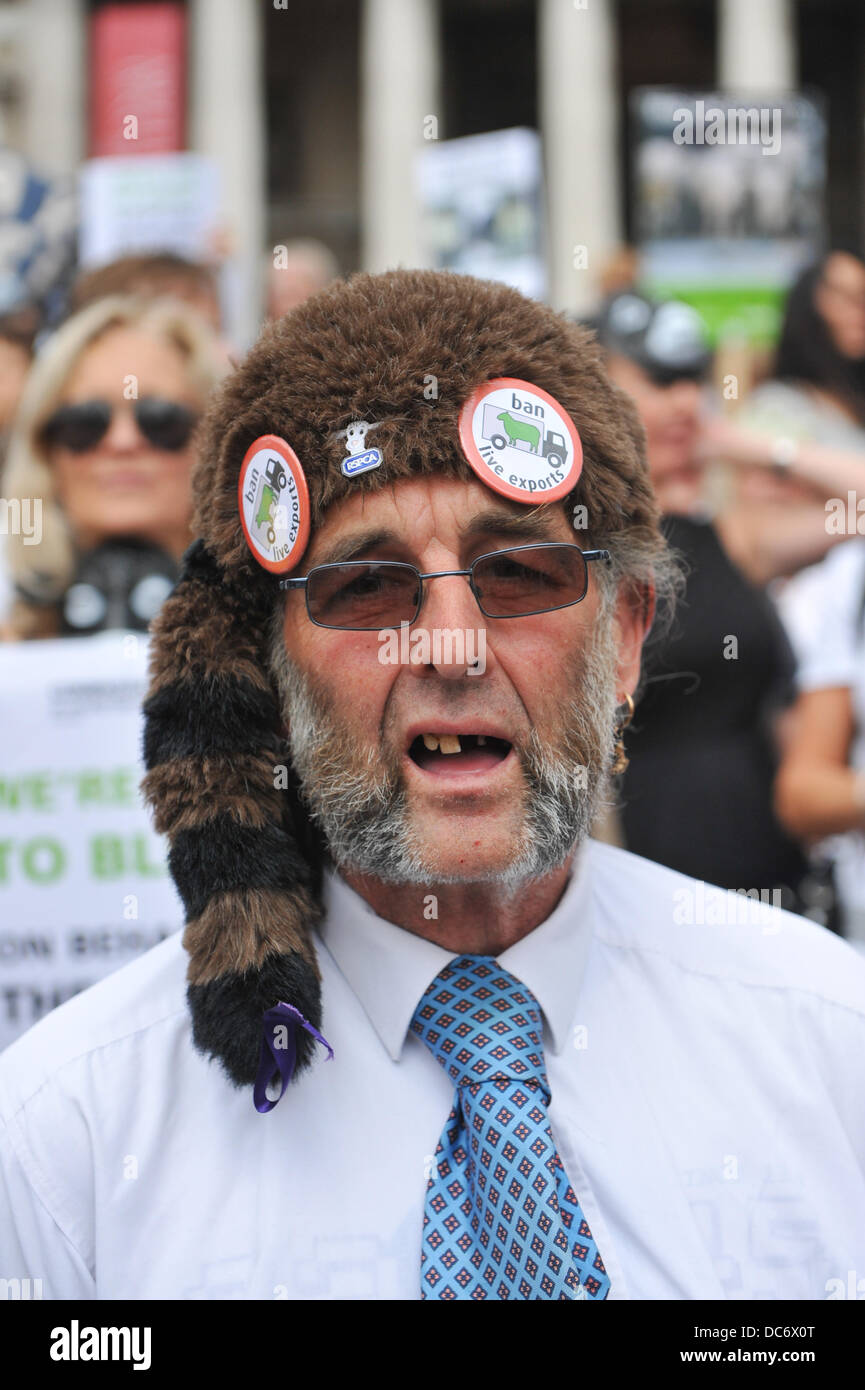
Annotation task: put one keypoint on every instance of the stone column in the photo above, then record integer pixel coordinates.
(399, 83)
(579, 98)
(227, 122)
(756, 45)
(53, 48)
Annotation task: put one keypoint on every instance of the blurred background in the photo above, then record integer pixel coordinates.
(305, 120)
(684, 177)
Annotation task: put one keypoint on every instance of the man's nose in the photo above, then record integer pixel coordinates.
(451, 608)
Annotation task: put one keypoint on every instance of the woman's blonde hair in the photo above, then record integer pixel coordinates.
(44, 571)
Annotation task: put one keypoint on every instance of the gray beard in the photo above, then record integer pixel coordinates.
(355, 793)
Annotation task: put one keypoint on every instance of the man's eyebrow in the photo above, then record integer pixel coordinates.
(355, 543)
(536, 525)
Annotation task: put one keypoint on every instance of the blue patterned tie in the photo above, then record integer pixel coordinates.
(501, 1219)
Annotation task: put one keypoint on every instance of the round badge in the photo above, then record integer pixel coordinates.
(520, 441)
(274, 503)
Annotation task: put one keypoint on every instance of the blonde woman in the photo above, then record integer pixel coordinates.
(99, 463)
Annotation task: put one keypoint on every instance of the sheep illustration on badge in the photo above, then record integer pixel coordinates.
(273, 499)
(520, 441)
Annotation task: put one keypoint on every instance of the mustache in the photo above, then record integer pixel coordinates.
(310, 710)
(354, 787)
(324, 742)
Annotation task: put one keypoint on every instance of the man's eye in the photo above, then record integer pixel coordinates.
(371, 590)
(513, 569)
(363, 585)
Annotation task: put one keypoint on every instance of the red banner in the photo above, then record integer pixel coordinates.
(137, 79)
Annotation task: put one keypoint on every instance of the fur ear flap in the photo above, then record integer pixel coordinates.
(212, 744)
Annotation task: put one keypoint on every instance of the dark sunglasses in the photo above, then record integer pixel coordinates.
(164, 424)
(367, 595)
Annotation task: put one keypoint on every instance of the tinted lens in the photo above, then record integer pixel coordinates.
(530, 579)
(363, 594)
(79, 427)
(165, 424)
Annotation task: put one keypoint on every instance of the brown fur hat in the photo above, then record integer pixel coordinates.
(243, 855)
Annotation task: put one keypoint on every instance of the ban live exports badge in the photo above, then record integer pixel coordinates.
(274, 503)
(520, 441)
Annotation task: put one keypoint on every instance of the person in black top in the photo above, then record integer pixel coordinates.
(697, 795)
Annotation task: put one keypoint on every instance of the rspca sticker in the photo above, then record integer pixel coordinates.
(274, 503)
(520, 441)
(360, 458)
(361, 463)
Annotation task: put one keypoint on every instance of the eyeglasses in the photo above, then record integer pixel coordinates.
(165, 424)
(367, 595)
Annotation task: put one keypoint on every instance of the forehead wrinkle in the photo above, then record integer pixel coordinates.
(537, 524)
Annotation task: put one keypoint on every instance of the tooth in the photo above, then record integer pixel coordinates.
(482, 738)
(449, 743)
(431, 742)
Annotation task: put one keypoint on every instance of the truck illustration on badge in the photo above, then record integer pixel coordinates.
(504, 431)
(273, 500)
(520, 441)
(270, 485)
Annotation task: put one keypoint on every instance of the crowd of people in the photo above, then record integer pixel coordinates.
(744, 765)
(747, 745)
(398, 922)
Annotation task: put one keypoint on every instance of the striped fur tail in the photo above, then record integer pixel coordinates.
(212, 741)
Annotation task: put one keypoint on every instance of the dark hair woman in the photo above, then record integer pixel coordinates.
(822, 341)
(811, 414)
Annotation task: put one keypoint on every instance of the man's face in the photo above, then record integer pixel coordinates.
(542, 705)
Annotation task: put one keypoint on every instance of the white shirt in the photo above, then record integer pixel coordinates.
(822, 611)
(820, 608)
(706, 1102)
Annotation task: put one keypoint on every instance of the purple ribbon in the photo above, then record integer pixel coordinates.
(279, 1052)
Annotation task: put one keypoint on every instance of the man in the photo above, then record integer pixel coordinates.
(490, 1058)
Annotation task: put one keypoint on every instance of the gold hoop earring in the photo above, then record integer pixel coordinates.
(620, 758)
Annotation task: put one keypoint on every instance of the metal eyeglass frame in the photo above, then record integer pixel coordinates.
(588, 555)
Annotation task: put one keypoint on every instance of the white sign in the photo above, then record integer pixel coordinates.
(729, 200)
(84, 886)
(481, 199)
(150, 202)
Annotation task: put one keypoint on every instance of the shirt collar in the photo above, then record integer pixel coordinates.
(389, 968)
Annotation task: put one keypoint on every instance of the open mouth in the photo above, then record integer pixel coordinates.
(449, 754)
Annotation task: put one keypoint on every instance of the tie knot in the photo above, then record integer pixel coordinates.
(480, 1022)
